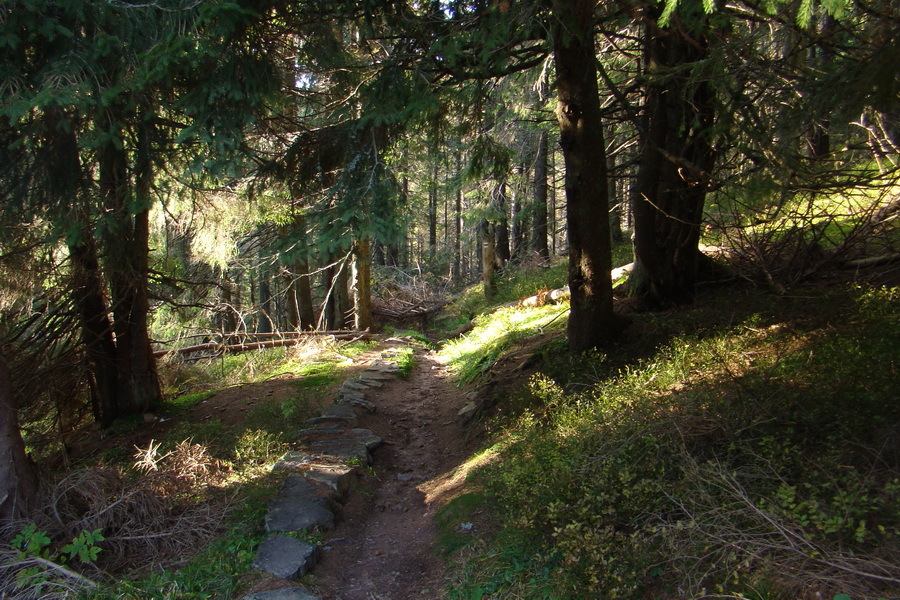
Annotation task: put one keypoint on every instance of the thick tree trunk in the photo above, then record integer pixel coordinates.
(362, 287)
(127, 244)
(677, 158)
(591, 319)
(539, 219)
(18, 482)
(96, 327)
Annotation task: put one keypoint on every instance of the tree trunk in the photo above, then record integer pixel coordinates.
(501, 228)
(329, 308)
(362, 287)
(677, 158)
(487, 260)
(539, 220)
(591, 318)
(432, 217)
(96, 327)
(18, 482)
(456, 274)
(127, 243)
(264, 319)
(344, 307)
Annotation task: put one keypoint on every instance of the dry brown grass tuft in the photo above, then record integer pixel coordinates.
(158, 518)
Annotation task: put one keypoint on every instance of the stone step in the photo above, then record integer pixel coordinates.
(292, 461)
(298, 508)
(285, 557)
(336, 477)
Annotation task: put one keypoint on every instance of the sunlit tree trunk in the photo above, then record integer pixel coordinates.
(487, 260)
(591, 318)
(362, 286)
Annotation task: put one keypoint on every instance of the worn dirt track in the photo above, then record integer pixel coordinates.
(383, 545)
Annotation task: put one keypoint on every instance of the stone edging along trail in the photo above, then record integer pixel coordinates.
(320, 476)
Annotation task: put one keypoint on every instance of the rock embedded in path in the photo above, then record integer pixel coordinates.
(292, 461)
(285, 557)
(298, 508)
(355, 398)
(336, 477)
(285, 593)
(344, 450)
(335, 413)
(354, 385)
(373, 375)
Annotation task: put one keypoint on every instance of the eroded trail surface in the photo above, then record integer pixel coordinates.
(383, 545)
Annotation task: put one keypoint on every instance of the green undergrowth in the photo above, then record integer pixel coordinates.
(755, 457)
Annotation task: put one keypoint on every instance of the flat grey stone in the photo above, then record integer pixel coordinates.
(336, 410)
(285, 557)
(369, 383)
(348, 393)
(323, 429)
(298, 508)
(292, 460)
(354, 384)
(328, 419)
(336, 477)
(373, 375)
(385, 367)
(286, 593)
(367, 437)
(467, 409)
(293, 515)
(344, 450)
(356, 399)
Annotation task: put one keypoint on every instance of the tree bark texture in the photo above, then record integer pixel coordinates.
(18, 482)
(592, 322)
(96, 327)
(487, 260)
(539, 220)
(677, 158)
(127, 235)
(362, 286)
(501, 228)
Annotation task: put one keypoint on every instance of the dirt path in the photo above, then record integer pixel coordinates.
(383, 546)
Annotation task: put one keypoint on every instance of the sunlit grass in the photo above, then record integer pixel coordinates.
(473, 354)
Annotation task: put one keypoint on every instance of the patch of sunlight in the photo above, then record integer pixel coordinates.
(445, 487)
(470, 355)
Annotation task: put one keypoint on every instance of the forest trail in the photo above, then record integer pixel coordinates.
(383, 545)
